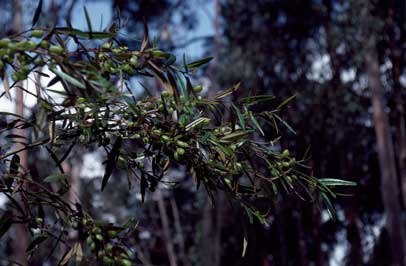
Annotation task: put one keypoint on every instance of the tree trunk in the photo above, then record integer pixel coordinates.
(20, 242)
(389, 187)
(166, 230)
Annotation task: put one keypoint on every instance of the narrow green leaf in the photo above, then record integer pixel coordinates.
(336, 182)
(199, 63)
(78, 33)
(228, 91)
(285, 102)
(330, 207)
(69, 79)
(240, 116)
(255, 122)
(249, 214)
(55, 178)
(284, 123)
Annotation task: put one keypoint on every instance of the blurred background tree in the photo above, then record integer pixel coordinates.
(344, 61)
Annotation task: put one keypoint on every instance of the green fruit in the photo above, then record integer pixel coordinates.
(238, 166)
(99, 237)
(106, 45)
(18, 76)
(107, 260)
(128, 69)
(96, 230)
(134, 60)
(92, 246)
(4, 42)
(125, 262)
(176, 156)
(11, 47)
(182, 144)
(56, 49)
(136, 136)
(31, 45)
(121, 162)
(75, 225)
(39, 62)
(116, 51)
(37, 33)
(180, 151)
(112, 233)
(39, 220)
(100, 253)
(44, 44)
(108, 248)
(131, 124)
(198, 89)
(285, 153)
(165, 138)
(22, 45)
(285, 164)
(157, 132)
(81, 100)
(89, 240)
(165, 94)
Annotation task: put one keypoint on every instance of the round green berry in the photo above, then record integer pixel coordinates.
(37, 33)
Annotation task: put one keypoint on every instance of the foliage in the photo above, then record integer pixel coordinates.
(145, 137)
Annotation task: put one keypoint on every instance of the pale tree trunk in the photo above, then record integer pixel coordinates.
(166, 229)
(389, 183)
(20, 241)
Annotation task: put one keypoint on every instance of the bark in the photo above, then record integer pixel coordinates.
(166, 230)
(179, 232)
(389, 187)
(20, 242)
